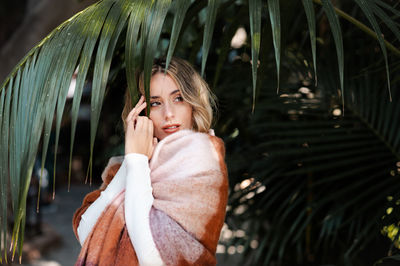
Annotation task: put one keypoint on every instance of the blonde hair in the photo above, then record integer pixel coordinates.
(194, 90)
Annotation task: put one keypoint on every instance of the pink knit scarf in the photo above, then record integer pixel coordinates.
(190, 189)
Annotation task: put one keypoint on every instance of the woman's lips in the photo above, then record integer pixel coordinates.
(171, 128)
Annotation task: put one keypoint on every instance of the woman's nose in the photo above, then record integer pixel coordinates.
(168, 111)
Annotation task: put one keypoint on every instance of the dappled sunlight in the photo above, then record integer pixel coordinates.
(240, 209)
(304, 90)
(337, 112)
(245, 183)
(237, 240)
(391, 232)
(239, 38)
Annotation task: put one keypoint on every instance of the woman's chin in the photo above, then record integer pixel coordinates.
(166, 133)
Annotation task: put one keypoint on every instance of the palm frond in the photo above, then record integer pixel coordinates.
(37, 89)
(318, 180)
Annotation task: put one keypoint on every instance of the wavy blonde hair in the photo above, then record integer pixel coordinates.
(193, 88)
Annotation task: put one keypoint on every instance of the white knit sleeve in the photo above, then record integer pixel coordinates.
(89, 218)
(138, 202)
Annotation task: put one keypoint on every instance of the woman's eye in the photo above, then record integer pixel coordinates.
(152, 104)
(179, 99)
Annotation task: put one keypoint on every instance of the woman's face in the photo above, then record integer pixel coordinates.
(169, 112)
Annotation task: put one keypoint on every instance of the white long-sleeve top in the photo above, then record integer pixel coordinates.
(134, 177)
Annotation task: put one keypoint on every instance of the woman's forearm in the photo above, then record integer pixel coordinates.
(138, 202)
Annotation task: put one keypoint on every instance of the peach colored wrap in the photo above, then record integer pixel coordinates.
(190, 189)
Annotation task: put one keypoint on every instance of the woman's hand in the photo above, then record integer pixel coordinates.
(139, 132)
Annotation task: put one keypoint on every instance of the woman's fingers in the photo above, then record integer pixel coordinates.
(141, 138)
(141, 124)
(141, 100)
(134, 113)
(141, 104)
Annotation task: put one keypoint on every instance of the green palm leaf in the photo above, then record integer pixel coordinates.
(84, 64)
(255, 29)
(39, 85)
(367, 7)
(181, 8)
(160, 11)
(131, 47)
(274, 15)
(337, 35)
(309, 9)
(109, 36)
(208, 30)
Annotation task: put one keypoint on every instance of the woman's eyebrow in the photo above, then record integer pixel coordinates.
(175, 91)
(156, 97)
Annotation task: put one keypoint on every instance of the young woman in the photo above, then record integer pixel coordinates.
(164, 202)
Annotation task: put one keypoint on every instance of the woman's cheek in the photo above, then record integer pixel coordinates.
(154, 118)
(157, 126)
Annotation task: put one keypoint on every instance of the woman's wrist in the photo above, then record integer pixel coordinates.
(137, 155)
(137, 163)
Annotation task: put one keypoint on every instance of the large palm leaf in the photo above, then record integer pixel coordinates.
(34, 94)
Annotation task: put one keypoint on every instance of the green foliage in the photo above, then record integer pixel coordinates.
(308, 184)
(306, 157)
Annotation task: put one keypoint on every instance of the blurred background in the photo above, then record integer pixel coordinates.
(313, 171)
